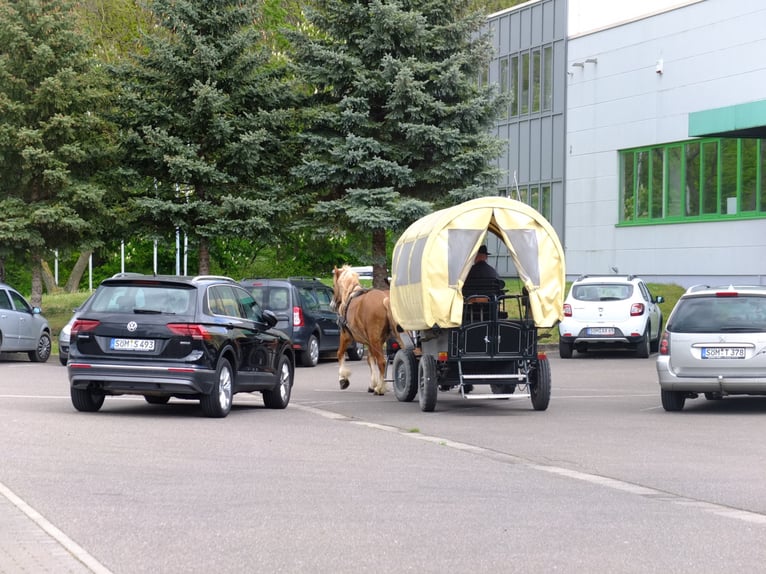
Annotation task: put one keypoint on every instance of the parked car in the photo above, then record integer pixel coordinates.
(65, 333)
(610, 311)
(201, 338)
(714, 344)
(302, 308)
(23, 329)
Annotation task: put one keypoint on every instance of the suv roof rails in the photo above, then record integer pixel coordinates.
(628, 277)
(212, 278)
(302, 278)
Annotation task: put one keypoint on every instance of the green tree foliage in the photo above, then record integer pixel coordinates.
(398, 123)
(206, 112)
(54, 142)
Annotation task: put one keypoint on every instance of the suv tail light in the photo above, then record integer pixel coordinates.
(83, 326)
(665, 344)
(636, 309)
(297, 317)
(567, 310)
(193, 330)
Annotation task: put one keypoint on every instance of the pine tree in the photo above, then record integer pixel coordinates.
(398, 124)
(53, 140)
(206, 114)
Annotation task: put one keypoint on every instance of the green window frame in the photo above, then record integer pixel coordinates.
(696, 180)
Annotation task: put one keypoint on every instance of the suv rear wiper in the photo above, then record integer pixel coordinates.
(150, 312)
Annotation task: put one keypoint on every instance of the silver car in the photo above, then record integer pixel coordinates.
(22, 328)
(714, 344)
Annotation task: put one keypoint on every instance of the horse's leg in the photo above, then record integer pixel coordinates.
(377, 360)
(343, 371)
(373, 367)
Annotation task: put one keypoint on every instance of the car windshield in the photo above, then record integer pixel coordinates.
(602, 291)
(163, 299)
(719, 314)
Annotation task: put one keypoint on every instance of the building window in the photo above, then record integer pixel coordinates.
(536, 196)
(524, 88)
(504, 87)
(547, 78)
(714, 178)
(514, 86)
(536, 80)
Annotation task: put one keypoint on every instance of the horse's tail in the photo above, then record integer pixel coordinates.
(393, 326)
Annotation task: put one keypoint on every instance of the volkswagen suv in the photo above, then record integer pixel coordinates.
(714, 344)
(610, 311)
(202, 338)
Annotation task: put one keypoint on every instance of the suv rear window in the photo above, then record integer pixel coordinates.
(602, 292)
(719, 314)
(126, 298)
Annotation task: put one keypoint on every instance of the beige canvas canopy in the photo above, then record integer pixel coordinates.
(432, 258)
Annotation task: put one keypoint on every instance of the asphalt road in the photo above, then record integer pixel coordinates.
(346, 482)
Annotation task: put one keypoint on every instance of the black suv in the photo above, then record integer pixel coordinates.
(302, 307)
(199, 338)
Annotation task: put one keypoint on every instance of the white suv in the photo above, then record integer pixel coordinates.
(610, 310)
(714, 344)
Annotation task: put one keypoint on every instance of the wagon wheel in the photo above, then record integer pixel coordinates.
(405, 368)
(428, 383)
(540, 385)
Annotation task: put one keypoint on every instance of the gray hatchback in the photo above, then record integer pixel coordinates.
(714, 344)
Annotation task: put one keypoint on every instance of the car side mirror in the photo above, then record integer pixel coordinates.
(270, 318)
(36, 310)
(660, 299)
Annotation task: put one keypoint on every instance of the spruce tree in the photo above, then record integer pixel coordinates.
(399, 124)
(206, 114)
(53, 139)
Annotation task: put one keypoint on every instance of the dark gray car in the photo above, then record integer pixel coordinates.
(302, 307)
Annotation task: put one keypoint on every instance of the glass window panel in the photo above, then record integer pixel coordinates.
(534, 197)
(642, 184)
(536, 81)
(709, 182)
(514, 87)
(627, 200)
(692, 157)
(547, 78)
(675, 189)
(504, 79)
(546, 200)
(524, 93)
(728, 203)
(656, 197)
(762, 174)
(749, 185)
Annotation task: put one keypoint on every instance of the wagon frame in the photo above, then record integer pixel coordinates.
(488, 337)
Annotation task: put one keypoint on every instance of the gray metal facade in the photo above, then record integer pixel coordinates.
(530, 41)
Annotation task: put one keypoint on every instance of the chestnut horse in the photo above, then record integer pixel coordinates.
(365, 317)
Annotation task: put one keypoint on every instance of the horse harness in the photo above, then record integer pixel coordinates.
(343, 317)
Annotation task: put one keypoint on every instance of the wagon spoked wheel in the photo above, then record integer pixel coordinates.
(540, 385)
(428, 383)
(405, 369)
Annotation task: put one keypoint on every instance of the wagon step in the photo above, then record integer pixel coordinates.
(515, 376)
(473, 396)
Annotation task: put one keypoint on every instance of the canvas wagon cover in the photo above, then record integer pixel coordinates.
(432, 258)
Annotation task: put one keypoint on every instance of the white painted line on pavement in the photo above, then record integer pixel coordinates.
(70, 545)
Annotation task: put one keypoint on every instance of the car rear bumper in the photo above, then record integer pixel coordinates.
(746, 385)
(140, 380)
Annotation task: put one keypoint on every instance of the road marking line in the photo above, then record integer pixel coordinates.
(612, 483)
(70, 545)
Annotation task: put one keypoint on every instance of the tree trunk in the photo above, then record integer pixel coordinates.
(379, 264)
(204, 257)
(48, 279)
(37, 281)
(73, 283)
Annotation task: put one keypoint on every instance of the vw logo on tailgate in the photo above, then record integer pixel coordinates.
(132, 326)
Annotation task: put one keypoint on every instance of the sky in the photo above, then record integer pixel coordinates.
(589, 15)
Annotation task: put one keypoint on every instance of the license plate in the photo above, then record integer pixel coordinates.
(601, 331)
(132, 345)
(723, 352)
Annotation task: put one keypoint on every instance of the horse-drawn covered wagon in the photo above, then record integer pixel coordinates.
(487, 336)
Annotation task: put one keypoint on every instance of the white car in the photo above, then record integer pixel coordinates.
(22, 328)
(610, 311)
